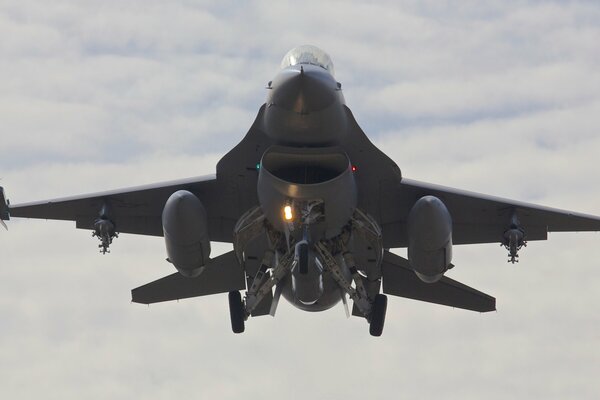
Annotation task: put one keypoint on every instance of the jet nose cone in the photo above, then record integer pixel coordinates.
(305, 106)
(304, 89)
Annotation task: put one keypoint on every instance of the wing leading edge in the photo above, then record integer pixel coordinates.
(477, 218)
(137, 209)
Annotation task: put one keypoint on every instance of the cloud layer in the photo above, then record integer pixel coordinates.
(502, 98)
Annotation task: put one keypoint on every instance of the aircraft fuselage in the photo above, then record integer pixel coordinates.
(308, 175)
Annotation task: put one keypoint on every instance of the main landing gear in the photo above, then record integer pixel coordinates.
(377, 317)
(237, 312)
(334, 259)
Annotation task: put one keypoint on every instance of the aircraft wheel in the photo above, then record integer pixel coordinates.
(303, 258)
(378, 315)
(236, 312)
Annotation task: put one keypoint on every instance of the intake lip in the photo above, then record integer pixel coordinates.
(298, 175)
(305, 166)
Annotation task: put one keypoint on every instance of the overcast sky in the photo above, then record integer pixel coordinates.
(501, 98)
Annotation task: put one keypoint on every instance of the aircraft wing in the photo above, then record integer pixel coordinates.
(137, 210)
(477, 218)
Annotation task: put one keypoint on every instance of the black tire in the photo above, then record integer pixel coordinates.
(236, 312)
(303, 258)
(378, 315)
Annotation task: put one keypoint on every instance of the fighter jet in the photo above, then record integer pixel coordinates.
(312, 209)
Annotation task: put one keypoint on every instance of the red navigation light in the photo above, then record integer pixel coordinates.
(354, 168)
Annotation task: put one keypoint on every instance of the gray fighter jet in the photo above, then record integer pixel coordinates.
(312, 209)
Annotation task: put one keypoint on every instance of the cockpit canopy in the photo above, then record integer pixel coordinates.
(307, 54)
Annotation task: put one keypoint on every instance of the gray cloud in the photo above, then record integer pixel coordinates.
(499, 98)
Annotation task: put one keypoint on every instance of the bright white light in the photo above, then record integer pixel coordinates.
(287, 213)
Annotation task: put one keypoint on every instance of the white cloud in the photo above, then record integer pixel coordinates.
(499, 98)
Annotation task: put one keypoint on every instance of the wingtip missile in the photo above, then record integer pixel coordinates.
(4, 209)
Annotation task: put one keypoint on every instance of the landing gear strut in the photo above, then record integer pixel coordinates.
(286, 253)
(373, 310)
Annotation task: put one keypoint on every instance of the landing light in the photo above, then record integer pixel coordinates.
(287, 213)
